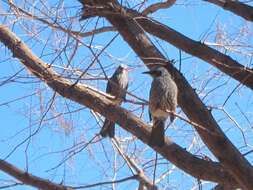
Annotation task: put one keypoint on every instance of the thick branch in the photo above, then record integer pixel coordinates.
(189, 101)
(235, 7)
(219, 60)
(86, 96)
(29, 179)
(157, 6)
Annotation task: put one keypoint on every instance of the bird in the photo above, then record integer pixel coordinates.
(117, 86)
(162, 102)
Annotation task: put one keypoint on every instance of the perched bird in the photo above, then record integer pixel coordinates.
(162, 100)
(116, 86)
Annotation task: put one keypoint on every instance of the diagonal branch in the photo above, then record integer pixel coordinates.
(235, 7)
(82, 94)
(232, 160)
(157, 6)
(30, 179)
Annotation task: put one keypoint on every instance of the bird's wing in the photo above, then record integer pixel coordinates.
(109, 86)
(125, 92)
(155, 95)
(171, 97)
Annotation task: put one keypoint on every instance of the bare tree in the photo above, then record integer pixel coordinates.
(58, 45)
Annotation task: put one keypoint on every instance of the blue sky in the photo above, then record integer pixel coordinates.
(194, 19)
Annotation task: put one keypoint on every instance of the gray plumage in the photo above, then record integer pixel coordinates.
(116, 86)
(162, 98)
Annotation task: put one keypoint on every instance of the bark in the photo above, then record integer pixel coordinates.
(235, 7)
(157, 6)
(190, 103)
(87, 96)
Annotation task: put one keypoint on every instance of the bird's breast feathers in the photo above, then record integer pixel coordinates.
(159, 113)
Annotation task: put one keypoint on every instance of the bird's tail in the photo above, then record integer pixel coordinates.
(157, 133)
(108, 129)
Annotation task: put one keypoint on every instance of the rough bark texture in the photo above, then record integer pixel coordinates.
(235, 7)
(89, 97)
(190, 103)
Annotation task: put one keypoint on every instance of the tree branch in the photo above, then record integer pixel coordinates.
(134, 177)
(30, 179)
(86, 96)
(157, 6)
(235, 7)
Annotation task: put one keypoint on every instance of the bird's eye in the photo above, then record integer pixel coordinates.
(159, 73)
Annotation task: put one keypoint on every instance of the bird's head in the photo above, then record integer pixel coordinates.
(157, 72)
(122, 68)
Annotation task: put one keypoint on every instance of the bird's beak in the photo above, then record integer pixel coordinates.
(147, 72)
(126, 69)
